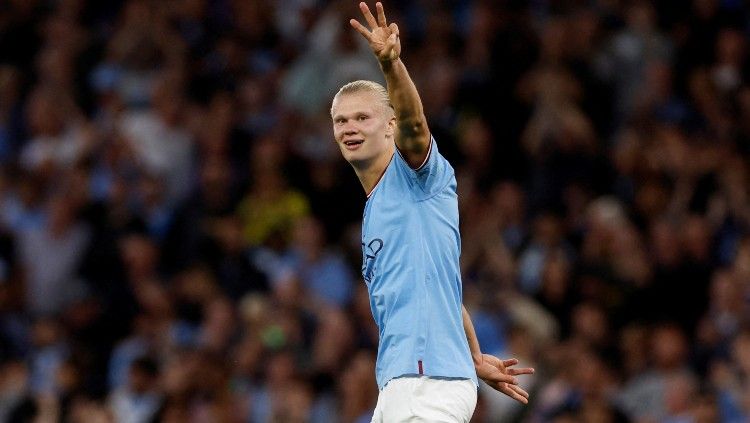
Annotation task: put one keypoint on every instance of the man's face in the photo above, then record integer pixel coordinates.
(362, 126)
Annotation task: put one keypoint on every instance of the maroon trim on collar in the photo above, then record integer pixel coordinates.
(426, 157)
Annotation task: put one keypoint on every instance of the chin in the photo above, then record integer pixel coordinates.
(355, 158)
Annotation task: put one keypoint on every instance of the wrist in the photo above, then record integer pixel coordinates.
(386, 64)
(477, 358)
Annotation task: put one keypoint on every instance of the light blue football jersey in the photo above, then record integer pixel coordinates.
(410, 263)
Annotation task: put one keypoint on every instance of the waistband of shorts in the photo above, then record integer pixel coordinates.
(418, 376)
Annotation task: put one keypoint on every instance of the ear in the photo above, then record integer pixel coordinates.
(391, 130)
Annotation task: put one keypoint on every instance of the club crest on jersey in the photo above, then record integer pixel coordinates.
(370, 252)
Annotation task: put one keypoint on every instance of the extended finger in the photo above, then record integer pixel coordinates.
(499, 377)
(510, 362)
(361, 29)
(524, 371)
(513, 394)
(520, 391)
(368, 15)
(381, 14)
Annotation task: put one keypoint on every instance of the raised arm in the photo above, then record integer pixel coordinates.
(413, 136)
(493, 371)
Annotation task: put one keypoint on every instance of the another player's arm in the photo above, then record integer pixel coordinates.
(493, 371)
(413, 136)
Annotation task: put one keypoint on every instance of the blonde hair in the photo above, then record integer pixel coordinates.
(362, 85)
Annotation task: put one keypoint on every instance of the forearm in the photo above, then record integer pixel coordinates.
(471, 336)
(411, 122)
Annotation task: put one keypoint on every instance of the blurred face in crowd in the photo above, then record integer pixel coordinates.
(741, 351)
(43, 116)
(669, 347)
(363, 127)
(680, 393)
(139, 380)
(168, 102)
(139, 253)
(590, 323)
(309, 235)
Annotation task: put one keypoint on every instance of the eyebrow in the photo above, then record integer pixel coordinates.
(357, 113)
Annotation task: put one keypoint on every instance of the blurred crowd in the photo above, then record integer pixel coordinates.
(179, 236)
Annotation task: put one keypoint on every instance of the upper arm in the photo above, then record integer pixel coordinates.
(413, 140)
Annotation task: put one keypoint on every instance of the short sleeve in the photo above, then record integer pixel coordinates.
(433, 176)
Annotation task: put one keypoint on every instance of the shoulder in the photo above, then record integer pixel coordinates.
(433, 175)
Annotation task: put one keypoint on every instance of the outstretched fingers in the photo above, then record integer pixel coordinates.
(510, 362)
(523, 371)
(513, 392)
(361, 29)
(368, 15)
(515, 372)
(520, 391)
(381, 14)
(499, 377)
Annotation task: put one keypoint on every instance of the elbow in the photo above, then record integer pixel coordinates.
(418, 126)
(413, 127)
(413, 136)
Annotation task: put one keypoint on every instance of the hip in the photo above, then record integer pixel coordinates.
(423, 398)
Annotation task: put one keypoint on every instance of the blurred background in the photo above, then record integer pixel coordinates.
(179, 236)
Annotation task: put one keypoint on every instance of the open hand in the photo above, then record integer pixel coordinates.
(383, 38)
(499, 375)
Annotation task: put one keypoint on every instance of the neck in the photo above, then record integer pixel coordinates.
(370, 172)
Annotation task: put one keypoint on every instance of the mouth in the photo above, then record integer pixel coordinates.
(353, 144)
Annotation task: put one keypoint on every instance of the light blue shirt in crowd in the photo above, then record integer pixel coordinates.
(411, 246)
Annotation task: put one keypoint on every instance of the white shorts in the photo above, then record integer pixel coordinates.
(425, 399)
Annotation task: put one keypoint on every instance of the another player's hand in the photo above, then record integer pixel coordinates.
(383, 38)
(499, 375)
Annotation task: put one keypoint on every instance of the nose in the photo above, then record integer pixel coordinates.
(349, 128)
